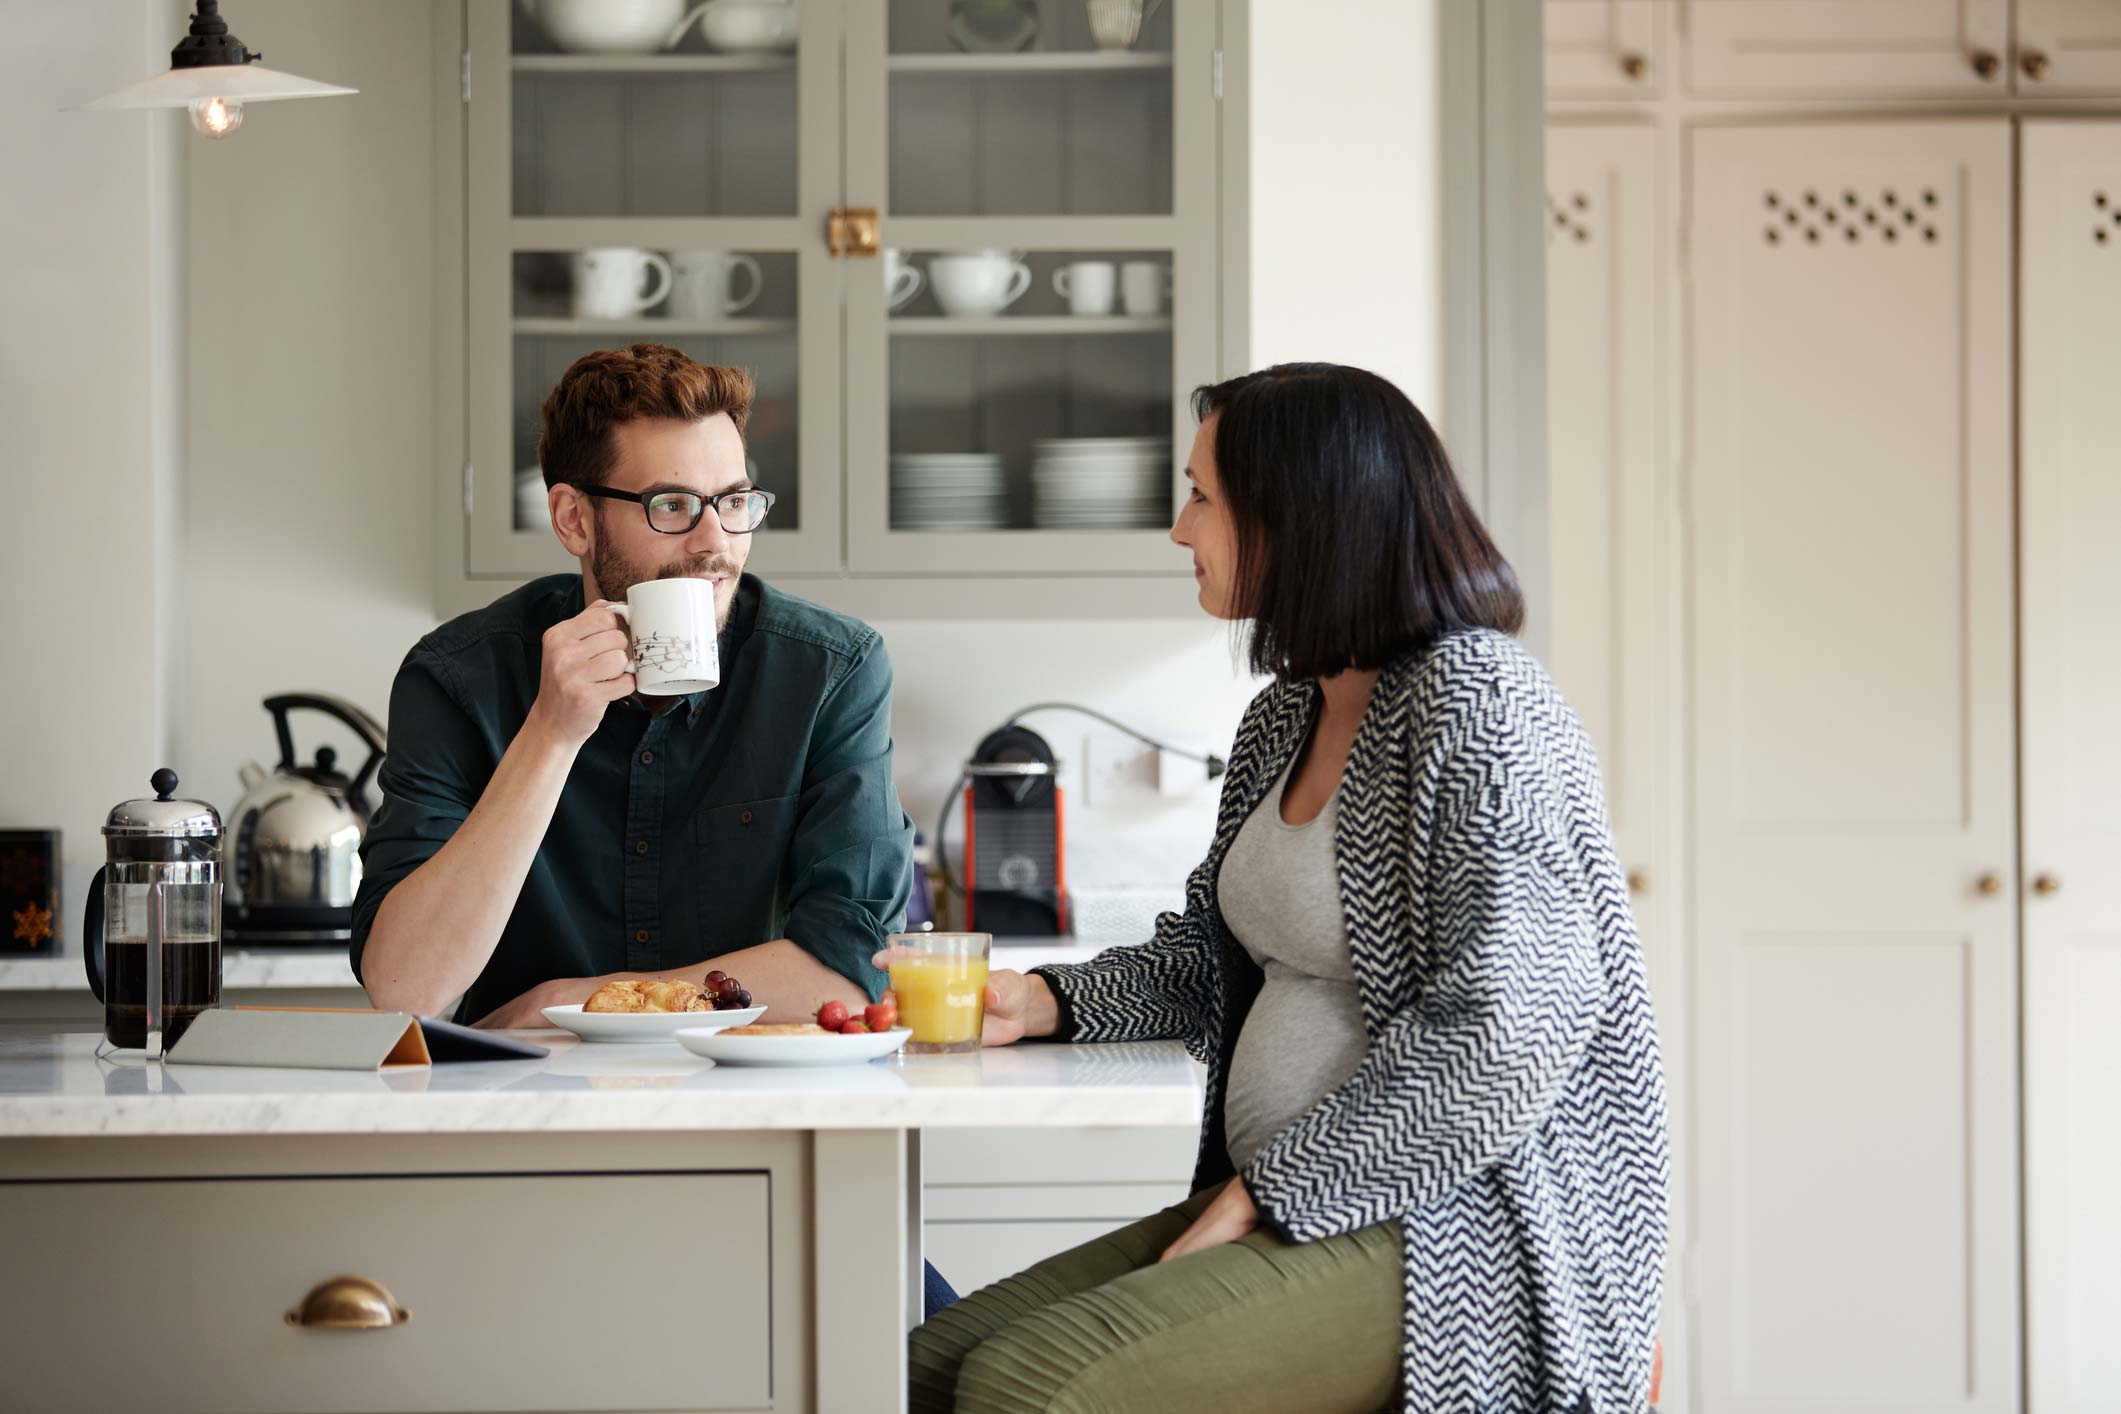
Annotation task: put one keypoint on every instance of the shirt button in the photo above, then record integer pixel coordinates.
(640, 846)
(648, 758)
(745, 817)
(640, 935)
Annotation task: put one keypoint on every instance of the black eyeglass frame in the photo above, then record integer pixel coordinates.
(714, 503)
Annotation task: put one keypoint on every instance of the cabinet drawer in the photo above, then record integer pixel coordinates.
(581, 1292)
(982, 1156)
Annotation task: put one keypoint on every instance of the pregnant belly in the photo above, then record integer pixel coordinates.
(1302, 1038)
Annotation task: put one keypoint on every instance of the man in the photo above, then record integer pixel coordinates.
(545, 829)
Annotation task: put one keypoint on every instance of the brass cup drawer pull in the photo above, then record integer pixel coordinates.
(349, 1304)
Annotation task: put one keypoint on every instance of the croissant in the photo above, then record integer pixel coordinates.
(675, 996)
(635, 995)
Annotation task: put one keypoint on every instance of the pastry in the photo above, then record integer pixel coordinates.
(652, 995)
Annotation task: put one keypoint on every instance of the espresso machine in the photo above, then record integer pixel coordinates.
(152, 937)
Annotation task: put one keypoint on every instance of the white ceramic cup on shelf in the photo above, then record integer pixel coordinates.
(1116, 24)
(978, 283)
(1143, 287)
(902, 279)
(607, 281)
(1087, 285)
(671, 635)
(703, 283)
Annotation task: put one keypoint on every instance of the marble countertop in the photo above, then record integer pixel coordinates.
(53, 1085)
(327, 967)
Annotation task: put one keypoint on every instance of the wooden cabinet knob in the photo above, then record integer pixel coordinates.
(1634, 65)
(1989, 884)
(2033, 64)
(1986, 63)
(349, 1304)
(2045, 884)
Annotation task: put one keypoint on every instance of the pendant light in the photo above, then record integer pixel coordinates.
(213, 75)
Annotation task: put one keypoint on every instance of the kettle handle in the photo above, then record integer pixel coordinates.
(92, 934)
(364, 727)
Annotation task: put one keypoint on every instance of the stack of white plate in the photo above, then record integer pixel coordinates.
(948, 491)
(1101, 483)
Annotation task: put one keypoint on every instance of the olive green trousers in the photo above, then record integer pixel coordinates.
(1256, 1324)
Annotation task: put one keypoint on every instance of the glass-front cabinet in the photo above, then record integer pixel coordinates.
(967, 248)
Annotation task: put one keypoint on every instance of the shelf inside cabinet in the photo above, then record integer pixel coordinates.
(650, 63)
(651, 326)
(934, 326)
(1054, 63)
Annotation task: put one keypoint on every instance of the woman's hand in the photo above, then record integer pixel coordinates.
(1017, 1006)
(1014, 1007)
(1228, 1216)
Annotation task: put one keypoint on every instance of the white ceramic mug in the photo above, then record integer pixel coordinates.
(1087, 285)
(607, 281)
(703, 283)
(1143, 284)
(902, 279)
(972, 284)
(1116, 24)
(671, 628)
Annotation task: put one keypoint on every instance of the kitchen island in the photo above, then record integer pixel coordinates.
(611, 1227)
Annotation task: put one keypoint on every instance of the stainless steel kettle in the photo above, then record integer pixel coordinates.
(294, 840)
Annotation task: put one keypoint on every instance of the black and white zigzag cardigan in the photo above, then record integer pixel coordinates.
(1509, 1110)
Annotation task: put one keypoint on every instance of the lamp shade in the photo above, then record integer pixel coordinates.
(234, 83)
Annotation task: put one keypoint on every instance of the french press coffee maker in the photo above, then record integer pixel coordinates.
(153, 932)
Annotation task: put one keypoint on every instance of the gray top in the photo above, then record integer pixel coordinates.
(1280, 894)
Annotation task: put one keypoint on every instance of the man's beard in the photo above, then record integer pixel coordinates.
(615, 574)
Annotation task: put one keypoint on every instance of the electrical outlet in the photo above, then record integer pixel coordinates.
(1179, 776)
(1116, 770)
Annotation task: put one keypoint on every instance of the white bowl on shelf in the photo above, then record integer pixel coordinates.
(746, 26)
(608, 26)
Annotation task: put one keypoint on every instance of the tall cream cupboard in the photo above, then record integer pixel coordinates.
(1835, 410)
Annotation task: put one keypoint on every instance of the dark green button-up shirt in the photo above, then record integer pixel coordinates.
(761, 809)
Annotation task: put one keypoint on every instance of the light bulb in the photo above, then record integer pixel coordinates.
(216, 117)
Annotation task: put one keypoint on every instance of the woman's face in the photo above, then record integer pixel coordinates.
(1204, 527)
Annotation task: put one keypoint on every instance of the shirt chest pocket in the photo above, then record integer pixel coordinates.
(740, 857)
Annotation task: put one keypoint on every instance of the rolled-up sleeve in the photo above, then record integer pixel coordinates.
(850, 865)
(431, 778)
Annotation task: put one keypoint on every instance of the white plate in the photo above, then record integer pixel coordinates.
(643, 1027)
(793, 1050)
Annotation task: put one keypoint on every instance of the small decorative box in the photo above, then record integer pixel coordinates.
(29, 891)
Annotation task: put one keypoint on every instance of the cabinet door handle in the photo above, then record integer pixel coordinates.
(2046, 884)
(349, 1304)
(1638, 882)
(1986, 64)
(852, 230)
(1634, 65)
(2033, 64)
(1989, 884)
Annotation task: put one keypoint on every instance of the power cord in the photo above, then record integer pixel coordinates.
(1216, 767)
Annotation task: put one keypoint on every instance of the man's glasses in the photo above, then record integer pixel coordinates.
(677, 512)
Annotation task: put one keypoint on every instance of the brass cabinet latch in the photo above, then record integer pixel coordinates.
(851, 230)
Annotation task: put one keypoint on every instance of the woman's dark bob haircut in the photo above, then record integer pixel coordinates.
(1355, 545)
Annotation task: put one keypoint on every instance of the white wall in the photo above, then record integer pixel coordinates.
(1347, 190)
(90, 233)
(311, 539)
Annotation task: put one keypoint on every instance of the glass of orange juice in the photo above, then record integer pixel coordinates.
(941, 981)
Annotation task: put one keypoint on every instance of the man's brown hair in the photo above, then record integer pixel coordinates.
(603, 389)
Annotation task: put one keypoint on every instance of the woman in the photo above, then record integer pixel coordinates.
(1432, 1167)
